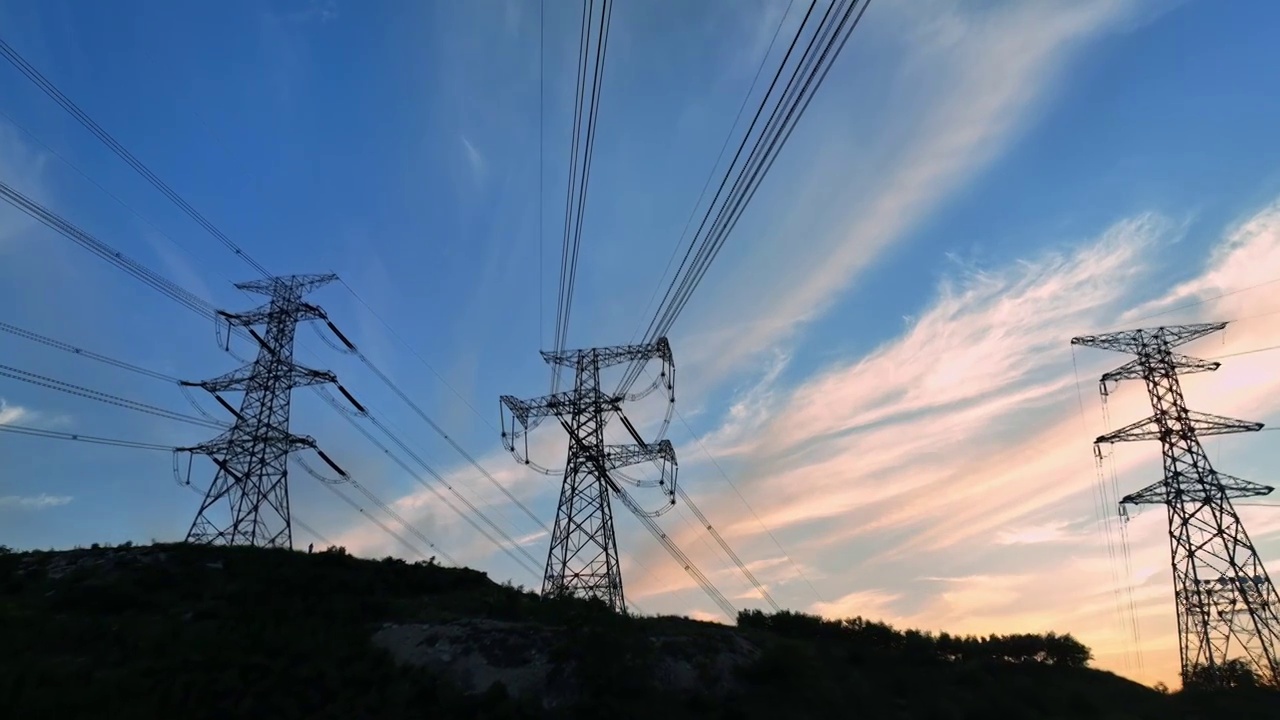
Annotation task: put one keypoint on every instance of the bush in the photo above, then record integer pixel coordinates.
(1233, 674)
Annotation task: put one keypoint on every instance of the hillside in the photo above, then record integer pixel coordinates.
(169, 631)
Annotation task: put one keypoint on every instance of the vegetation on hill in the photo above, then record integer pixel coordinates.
(175, 631)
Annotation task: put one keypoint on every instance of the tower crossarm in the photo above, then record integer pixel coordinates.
(262, 314)
(545, 406)
(659, 349)
(297, 285)
(1226, 487)
(242, 377)
(1203, 424)
(225, 442)
(618, 456)
(1181, 364)
(1137, 342)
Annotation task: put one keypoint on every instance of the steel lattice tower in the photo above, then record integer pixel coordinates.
(248, 501)
(583, 557)
(1226, 604)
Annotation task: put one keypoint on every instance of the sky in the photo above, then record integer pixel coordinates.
(878, 405)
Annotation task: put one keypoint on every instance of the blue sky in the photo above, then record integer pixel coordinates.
(878, 358)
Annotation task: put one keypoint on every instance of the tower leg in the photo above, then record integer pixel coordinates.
(583, 558)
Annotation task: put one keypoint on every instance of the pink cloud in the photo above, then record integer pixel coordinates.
(869, 473)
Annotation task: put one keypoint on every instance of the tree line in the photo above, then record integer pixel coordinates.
(861, 636)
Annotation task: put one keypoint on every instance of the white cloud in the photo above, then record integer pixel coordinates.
(10, 414)
(34, 502)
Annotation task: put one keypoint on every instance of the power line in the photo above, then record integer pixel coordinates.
(680, 557)
(54, 434)
(381, 525)
(332, 487)
(833, 31)
(173, 291)
(165, 287)
(396, 516)
(723, 147)
(425, 363)
(728, 550)
(1101, 512)
(66, 161)
(77, 437)
(57, 435)
(404, 466)
(734, 487)
(579, 179)
(104, 251)
(542, 84)
(121, 151)
(1202, 301)
(67, 347)
(1245, 352)
(81, 391)
(311, 531)
(156, 281)
(354, 349)
(704, 524)
(441, 432)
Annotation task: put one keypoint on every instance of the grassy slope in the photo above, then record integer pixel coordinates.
(235, 632)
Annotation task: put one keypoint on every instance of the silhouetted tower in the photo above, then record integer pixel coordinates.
(1227, 606)
(248, 501)
(583, 558)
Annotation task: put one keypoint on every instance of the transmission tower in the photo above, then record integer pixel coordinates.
(248, 501)
(1226, 604)
(583, 557)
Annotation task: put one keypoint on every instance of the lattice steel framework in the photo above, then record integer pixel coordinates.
(1226, 604)
(583, 558)
(248, 501)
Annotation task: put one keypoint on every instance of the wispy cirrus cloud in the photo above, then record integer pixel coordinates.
(475, 160)
(24, 168)
(34, 502)
(972, 88)
(990, 345)
(966, 441)
(889, 475)
(315, 10)
(967, 83)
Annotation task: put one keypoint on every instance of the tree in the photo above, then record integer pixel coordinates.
(1232, 674)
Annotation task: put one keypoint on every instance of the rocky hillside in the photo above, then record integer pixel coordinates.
(171, 631)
